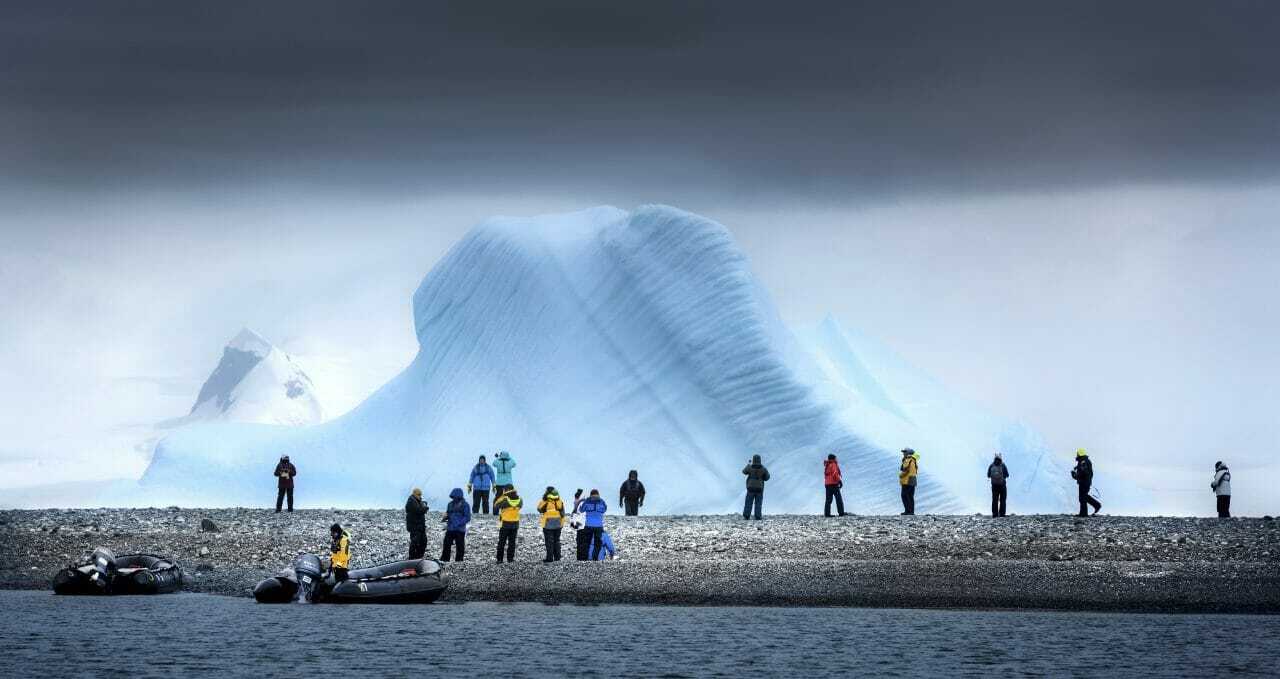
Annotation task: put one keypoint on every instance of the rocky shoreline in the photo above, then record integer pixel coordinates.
(1106, 563)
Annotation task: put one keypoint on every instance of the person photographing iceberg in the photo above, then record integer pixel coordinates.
(756, 474)
(1222, 489)
(907, 473)
(284, 473)
(502, 481)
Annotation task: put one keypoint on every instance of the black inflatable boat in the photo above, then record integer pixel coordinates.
(102, 572)
(416, 581)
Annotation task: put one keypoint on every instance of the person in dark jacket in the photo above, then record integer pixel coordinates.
(593, 509)
(833, 481)
(631, 494)
(285, 471)
(1221, 486)
(415, 520)
(999, 475)
(456, 517)
(756, 476)
(479, 484)
(1083, 474)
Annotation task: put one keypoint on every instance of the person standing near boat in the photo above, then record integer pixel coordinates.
(502, 466)
(456, 516)
(479, 484)
(508, 508)
(339, 552)
(284, 473)
(415, 521)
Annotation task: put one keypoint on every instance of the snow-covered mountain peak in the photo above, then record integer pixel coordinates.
(250, 342)
(256, 382)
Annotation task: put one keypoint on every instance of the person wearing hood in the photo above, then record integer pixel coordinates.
(593, 509)
(999, 475)
(1083, 474)
(551, 507)
(756, 474)
(833, 482)
(456, 517)
(907, 473)
(508, 507)
(479, 484)
(502, 482)
(285, 471)
(339, 552)
(631, 494)
(1222, 488)
(415, 520)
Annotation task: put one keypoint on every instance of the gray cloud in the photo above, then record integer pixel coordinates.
(826, 101)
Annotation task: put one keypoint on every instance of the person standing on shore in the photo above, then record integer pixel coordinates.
(339, 552)
(456, 516)
(593, 509)
(551, 507)
(502, 466)
(907, 473)
(756, 474)
(479, 484)
(415, 520)
(1083, 474)
(508, 508)
(999, 474)
(1222, 488)
(608, 549)
(833, 482)
(631, 494)
(582, 535)
(285, 471)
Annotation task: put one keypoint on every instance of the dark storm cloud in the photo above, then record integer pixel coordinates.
(822, 100)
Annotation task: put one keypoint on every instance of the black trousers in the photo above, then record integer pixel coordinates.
(999, 493)
(339, 574)
(1086, 502)
(909, 499)
(755, 498)
(1224, 506)
(497, 493)
(833, 492)
(583, 544)
(631, 505)
(507, 539)
(479, 498)
(551, 536)
(280, 496)
(417, 543)
(456, 539)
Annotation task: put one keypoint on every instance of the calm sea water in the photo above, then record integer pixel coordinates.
(198, 635)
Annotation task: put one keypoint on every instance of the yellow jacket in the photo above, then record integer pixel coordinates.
(907, 472)
(340, 551)
(508, 506)
(551, 507)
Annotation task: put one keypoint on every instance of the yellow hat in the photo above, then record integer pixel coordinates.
(1081, 452)
(417, 491)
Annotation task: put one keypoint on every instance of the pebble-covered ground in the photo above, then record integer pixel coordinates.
(1057, 562)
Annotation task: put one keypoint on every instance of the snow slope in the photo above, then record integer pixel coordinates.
(588, 344)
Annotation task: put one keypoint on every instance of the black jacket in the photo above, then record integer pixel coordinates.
(757, 474)
(1083, 473)
(1004, 476)
(632, 488)
(415, 513)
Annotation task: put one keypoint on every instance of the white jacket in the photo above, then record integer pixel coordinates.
(1222, 482)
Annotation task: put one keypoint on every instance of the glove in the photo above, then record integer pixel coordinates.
(468, 488)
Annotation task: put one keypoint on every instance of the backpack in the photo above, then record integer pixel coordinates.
(996, 472)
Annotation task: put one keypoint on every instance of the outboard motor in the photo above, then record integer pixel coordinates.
(307, 568)
(103, 562)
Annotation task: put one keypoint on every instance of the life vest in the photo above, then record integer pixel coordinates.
(552, 508)
(509, 512)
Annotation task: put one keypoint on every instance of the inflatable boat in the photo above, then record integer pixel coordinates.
(102, 572)
(416, 581)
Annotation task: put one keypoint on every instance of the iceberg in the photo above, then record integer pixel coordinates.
(592, 343)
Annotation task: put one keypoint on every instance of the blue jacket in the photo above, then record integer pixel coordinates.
(503, 465)
(594, 509)
(458, 513)
(481, 476)
(607, 544)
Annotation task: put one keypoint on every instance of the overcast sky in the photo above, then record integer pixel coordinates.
(1066, 211)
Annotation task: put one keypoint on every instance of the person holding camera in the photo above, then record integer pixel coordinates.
(285, 471)
(834, 482)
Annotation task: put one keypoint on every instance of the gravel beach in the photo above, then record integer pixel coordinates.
(1105, 563)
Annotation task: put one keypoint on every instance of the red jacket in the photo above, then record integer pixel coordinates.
(831, 472)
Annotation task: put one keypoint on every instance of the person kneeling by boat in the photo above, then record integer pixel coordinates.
(552, 509)
(339, 552)
(508, 507)
(457, 515)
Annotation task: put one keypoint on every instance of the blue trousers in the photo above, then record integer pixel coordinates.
(754, 497)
